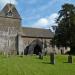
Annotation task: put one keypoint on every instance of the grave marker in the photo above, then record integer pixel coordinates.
(70, 59)
(52, 59)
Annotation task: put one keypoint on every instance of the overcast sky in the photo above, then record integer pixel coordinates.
(37, 13)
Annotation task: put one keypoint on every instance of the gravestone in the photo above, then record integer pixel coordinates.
(21, 55)
(52, 59)
(40, 55)
(70, 59)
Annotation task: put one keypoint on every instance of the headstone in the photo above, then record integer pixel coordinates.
(70, 59)
(52, 60)
(40, 55)
(21, 54)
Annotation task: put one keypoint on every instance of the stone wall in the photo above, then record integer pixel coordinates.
(10, 22)
(9, 29)
(7, 42)
(27, 41)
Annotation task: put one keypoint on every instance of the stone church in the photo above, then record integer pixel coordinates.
(15, 39)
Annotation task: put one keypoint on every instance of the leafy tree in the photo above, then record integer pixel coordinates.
(65, 32)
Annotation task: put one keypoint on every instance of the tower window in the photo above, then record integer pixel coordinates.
(9, 13)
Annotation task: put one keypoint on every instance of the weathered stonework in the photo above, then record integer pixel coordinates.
(9, 29)
(15, 39)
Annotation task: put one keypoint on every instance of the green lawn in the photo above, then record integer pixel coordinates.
(31, 65)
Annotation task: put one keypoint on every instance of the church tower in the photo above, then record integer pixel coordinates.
(9, 16)
(10, 24)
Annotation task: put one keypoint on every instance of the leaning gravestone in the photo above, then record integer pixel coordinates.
(70, 59)
(52, 60)
(40, 55)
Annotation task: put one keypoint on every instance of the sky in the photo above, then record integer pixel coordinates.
(37, 13)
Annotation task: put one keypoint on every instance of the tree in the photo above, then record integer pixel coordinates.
(65, 32)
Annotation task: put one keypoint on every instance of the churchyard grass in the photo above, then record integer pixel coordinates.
(31, 65)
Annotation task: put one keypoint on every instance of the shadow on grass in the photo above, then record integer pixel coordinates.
(47, 63)
(69, 62)
(65, 62)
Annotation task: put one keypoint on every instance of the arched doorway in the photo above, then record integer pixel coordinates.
(37, 49)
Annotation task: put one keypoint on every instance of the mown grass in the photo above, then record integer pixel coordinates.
(31, 65)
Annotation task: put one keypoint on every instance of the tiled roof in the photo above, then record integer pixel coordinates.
(37, 32)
